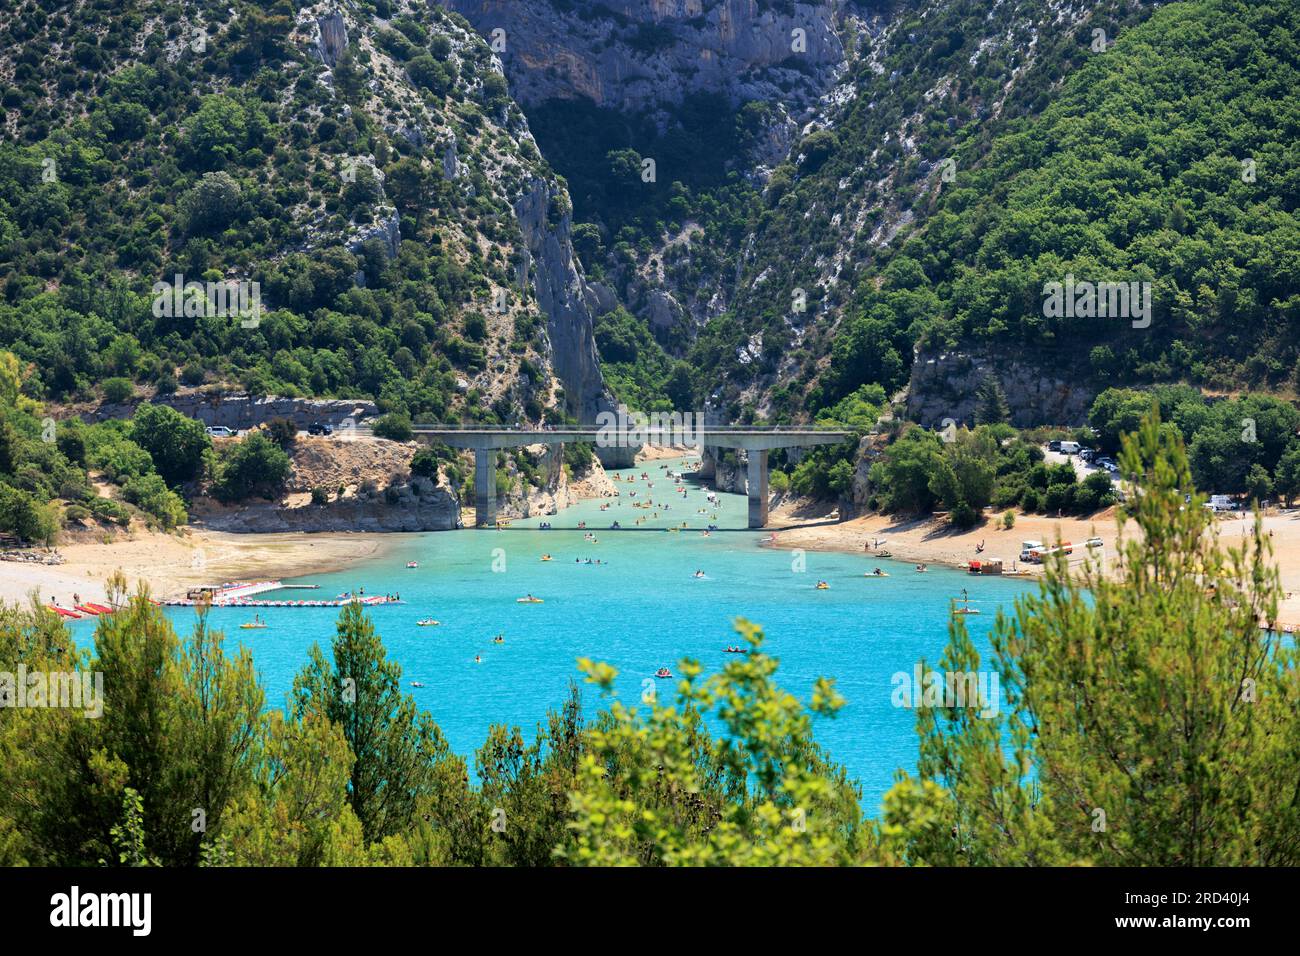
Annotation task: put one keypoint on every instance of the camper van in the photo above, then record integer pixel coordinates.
(1069, 448)
(1027, 549)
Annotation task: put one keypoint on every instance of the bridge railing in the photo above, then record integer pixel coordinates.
(583, 429)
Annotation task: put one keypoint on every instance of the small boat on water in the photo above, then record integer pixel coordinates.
(823, 586)
(416, 683)
(546, 557)
(427, 622)
(663, 672)
(499, 639)
(251, 626)
(734, 650)
(877, 573)
(884, 554)
(528, 599)
(412, 564)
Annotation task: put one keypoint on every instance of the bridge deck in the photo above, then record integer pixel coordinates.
(718, 437)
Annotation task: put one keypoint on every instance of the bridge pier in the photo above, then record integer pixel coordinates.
(756, 486)
(485, 487)
(485, 440)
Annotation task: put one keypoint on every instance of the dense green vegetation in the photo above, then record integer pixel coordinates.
(1169, 157)
(965, 471)
(1248, 445)
(1149, 722)
(121, 167)
(155, 461)
(1172, 158)
(42, 463)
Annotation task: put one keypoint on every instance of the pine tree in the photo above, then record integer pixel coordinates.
(1152, 722)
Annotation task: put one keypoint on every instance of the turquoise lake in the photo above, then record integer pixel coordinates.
(640, 609)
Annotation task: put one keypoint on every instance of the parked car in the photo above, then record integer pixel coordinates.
(320, 428)
(1087, 454)
(1069, 448)
(220, 431)
(1054, 445)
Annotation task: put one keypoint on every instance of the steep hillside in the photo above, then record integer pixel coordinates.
(361, 162)
(927, 96)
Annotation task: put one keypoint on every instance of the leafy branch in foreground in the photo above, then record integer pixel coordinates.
(658, 789)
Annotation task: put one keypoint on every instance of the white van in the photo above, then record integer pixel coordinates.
(1027, 549)
(1069, 448)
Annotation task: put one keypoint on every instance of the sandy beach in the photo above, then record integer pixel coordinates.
(930, 540)
(171, 563)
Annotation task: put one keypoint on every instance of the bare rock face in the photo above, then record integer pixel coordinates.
(943, 385)
(246, 411)
(438, 511)
(565, 298)
(560, 286)
(387, 228)
(637, 54)
(331, 37)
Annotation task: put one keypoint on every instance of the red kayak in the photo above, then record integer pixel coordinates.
(63, 611)
(100, 608)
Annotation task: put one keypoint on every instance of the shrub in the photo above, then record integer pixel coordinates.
(394, 426)
(282, 431)
(118, 390)
(254, 465)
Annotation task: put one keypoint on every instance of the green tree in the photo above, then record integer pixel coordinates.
(253, 465)
(990, 403)
(655, 788)
(1151, 722)
(175, 442)
(903, 473)
(401, 756)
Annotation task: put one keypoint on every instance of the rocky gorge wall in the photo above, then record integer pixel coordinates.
(637, 54)
(246, 411)
(944, 384)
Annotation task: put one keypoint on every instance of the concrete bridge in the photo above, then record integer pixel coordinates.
(756, 440)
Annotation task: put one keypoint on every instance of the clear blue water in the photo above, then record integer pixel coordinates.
(639, 610)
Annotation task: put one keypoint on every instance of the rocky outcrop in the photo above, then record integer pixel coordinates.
(331, 37)
(556, 277)
(558, 492)
(386, 227)
(943, 386)
(436, 511)
(637, 54)
(246, 411)
(553, 272)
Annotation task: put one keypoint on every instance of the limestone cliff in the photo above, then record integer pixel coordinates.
(637, 54)
(944, 384)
